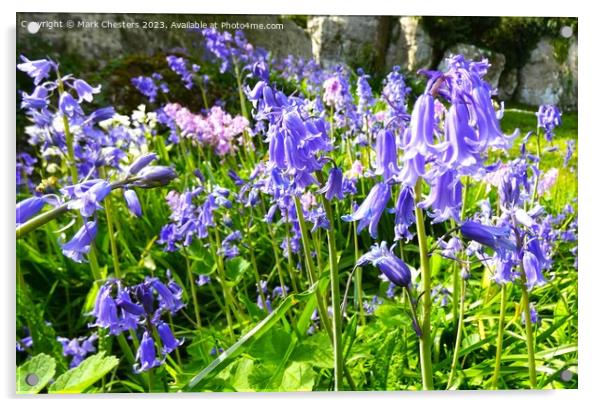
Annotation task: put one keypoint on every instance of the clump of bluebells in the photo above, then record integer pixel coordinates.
(141, 309)
(78, 348)
(335, 154)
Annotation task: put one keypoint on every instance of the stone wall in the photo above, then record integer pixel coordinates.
(376, 43)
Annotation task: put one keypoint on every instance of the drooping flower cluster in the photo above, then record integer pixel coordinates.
(190, 220)
(233, 51)
(395, 94)
(78, 348)
(295, 138)
(140, 308)
(150, 86)
(180, 66)
(548, 118)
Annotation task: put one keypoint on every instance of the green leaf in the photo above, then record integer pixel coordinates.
(299, 376)
(78, 379)
(315, 350)
(261, 328)
(41, 367)
(236, 269)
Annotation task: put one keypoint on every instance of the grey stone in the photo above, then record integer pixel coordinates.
(508, 84)
(410, 46)
(496, 60)
(99, 45)
(569, 97)
(353, 40)
(540, 79)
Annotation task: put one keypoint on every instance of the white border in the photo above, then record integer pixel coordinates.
(589, 187)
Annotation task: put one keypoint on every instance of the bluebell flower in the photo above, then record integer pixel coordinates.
(386, 155)
(451, 248)
(570, 149)
(124, 300)
(364, 92)
(496, 237)
(169, 296)
(404, 213)
(84, 90)
(534, 246)
(140, 163)
(488, 124)
(334, 184)
(422, 129)
(29, 207)
(180, 66)
(203, 279)
(261, 71)
(146, 86)
(37, 100)
(102, 114)
(394, 93)
(267, 307)
(504, 271)
(390, 265)
(170, 343)
(533, 315)
(155, 176)
(370, 211)
(532, 270)
(105, 310)
(146, 356)
(77, 348)
(370, 307)
(26, 342)
(548, 118)
(463, 151)
(509, 190)
(279, 291)
(133, 204)
(38, 70)
(80, 243)
(445, 198)
(69, 106)
(88, 197)
(229, 249)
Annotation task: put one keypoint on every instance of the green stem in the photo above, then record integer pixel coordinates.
(458, 337)
(529, 326)
(536, 184)
(500, 339)
(222, 277)
(46, 217)
(425, 341)
(277, 259)
(254, 265)
(112, 237)
(358, 291)
(125, 348)
(289, 259)
(313, 279)
(335, 296)
(311, 268)
(195, 303)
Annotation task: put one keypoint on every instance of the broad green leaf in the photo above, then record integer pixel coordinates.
(236, 269)
(261, 328)
(38, 371)
(298, 376)
(78, 379)
(315, 350)
(240, 373)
